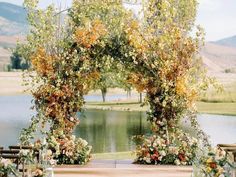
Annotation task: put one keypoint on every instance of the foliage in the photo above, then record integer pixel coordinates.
(180, 150)
(159, 54)
(17, 62)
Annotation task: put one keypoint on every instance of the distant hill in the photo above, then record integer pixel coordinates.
(13, 13)
(230, 41)
(219, 58)
(13, 20)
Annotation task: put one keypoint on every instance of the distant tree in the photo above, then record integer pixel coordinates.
(17, 61)
(107, 77)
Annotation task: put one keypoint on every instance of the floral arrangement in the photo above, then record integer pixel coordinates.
(64, 150)
(7, 167)
(158, 150)
(38, 172)
(215, 163)
(158, 52)
(69, 150)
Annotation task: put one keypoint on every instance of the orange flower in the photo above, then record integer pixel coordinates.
(213, 165)
(42, 63)
(89, 37)
(182, 157)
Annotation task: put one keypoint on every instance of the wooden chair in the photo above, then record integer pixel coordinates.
(23, 169)
(12, 155)
(36, 152)
(231, 150)
(20, 147)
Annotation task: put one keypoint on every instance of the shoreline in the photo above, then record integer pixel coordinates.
(217, 108)
(134, 106)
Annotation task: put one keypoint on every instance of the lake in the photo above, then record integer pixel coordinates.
(106, 131)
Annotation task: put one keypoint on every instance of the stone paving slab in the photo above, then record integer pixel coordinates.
(121, 168)
(129, 172)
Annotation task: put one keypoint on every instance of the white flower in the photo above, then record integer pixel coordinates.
(185, 144)
(157, 142)
(177, 162)
(73, 137)
(53, 162)
(44, 141)
(6, 162)
(24, 152)
(49, 152)
(72, 119)
(173, 150)
(148, 160)
(83, 142)
(163, 153)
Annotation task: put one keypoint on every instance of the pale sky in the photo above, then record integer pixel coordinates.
(217, 17)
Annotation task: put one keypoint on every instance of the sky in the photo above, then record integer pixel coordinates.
(217, 17)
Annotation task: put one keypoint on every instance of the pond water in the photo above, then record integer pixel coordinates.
(106, 131)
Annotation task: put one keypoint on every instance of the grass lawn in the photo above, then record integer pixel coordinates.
(213, 103)
(114, 156)
(217, 108)
(223, 108)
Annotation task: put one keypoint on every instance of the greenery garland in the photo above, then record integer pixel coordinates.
(159, 54)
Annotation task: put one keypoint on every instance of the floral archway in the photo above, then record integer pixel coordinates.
(157, 51)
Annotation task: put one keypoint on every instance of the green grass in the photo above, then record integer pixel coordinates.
(227, 95)
(217, 108)
(114, 156)
(118, 106)
(225, 108)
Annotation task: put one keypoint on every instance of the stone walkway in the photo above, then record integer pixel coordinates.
(121, 168)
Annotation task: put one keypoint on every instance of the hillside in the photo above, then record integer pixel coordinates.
(219, 58)
(230, 41)
(13, 20)
(4, 58)
(13, 27)
(13, 12)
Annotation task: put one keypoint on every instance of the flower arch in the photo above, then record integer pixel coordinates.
(158, 53)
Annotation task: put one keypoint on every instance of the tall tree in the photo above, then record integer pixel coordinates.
(17, 61)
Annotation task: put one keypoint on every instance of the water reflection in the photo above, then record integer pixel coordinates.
(107, 131)
(111, 131)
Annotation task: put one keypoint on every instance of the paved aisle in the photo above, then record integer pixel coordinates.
(124, 168)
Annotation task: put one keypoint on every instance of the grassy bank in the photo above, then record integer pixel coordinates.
(213, 102)
(226, 108)
(115, 155)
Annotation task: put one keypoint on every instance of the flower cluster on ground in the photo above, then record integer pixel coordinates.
(64, 150)
(69, 150)
(180, 150)
(7, 167)
(216, 162)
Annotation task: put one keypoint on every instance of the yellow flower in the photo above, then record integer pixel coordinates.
(181, 86)
(209, 160)
(208, 169)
